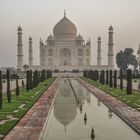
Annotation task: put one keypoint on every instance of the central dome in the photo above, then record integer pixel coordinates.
(65, 29)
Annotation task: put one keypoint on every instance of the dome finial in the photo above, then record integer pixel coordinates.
(64, 13)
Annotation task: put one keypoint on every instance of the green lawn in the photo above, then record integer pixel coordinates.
(27, 98)
(131, 100)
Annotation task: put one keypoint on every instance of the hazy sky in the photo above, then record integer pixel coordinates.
(91, 17)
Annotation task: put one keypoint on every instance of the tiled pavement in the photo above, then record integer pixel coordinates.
(31, 125)
(126, 113)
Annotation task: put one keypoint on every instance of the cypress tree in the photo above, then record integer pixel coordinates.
(107, 77)
(37, 77)
(100, 78)
(121, 79)
(8, 87)
(93, 75)
(84, 73)
(129, 82)
(110, 79)
(90, 74)
(0, 90)
(42, 74)
(23, 85)
(34, 79)
(115, 79)
(31, 80)
(97, 75)
(51, 74)
(27, 80)
(17, 87)
(103, 77)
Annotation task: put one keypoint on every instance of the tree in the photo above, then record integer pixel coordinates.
(90, 74)
(96, 75)
(17, 87)
(0, 89)
(115, 78)
(129, 82)
(103, 77)
(126, 58)
(34, 79)
(8, 87)
(37, 77)
(23, 85)
(100, 77)
(49, 74)
(31, 80)
(27, 80)
(121, 79)
(43, 75)
(107, 77)
(110, 79)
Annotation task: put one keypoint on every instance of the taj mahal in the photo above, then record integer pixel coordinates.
(65, 50)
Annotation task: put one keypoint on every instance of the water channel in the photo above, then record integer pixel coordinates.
(67, 117)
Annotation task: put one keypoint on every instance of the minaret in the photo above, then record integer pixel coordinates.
(110, 47)
(20, 50)
(30, 52)
(99, 51)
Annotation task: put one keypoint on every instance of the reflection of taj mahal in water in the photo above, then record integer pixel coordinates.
(65, 50)
(65, 105)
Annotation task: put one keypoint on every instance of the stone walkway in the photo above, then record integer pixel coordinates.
(31, 125)
(126, 113)
(12, 85)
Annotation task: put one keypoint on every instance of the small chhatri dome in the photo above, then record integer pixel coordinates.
(110, 27)
(65, 28)
(50, 37)
(19, 28)
(79, 37)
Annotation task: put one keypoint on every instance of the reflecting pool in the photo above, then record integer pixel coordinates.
(74, 113)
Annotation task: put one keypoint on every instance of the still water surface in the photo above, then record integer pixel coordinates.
(66, 121)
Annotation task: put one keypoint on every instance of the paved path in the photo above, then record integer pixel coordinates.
(31, 125)
(12, 85)
(135, 86)
(126, 113)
